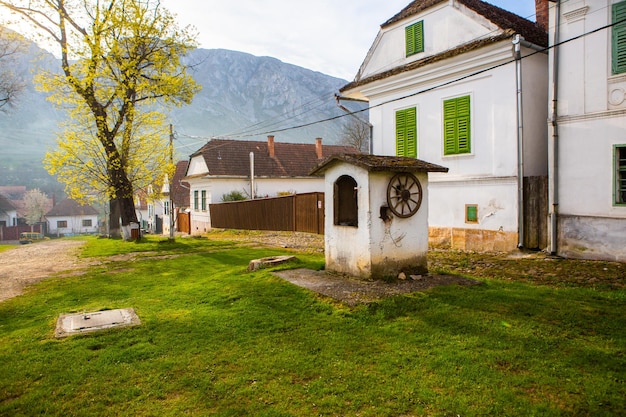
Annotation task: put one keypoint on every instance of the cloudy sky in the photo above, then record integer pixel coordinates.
(330, 36)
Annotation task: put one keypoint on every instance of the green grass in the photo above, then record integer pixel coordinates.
(217, 340)
(4, 247)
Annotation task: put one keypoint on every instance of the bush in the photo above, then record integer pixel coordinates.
(234, 196)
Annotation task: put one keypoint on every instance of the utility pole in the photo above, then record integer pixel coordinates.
(171, 178)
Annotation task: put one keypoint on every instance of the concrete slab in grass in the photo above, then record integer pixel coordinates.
(76, 323)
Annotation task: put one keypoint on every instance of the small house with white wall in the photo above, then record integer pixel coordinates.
(252, 169)
(71, 218)
(376, 223)
(463, 84)
(8, 212)
(588, 129)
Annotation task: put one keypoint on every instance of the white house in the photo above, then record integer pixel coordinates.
(444, 85)
(252, 169)
(8, 212)
(69, 218)
(588, 130)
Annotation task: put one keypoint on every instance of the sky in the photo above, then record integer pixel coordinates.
(329, 36)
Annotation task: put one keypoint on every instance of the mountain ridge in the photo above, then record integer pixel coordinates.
(243, 97)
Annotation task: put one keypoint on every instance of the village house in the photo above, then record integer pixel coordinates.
(445, 84)
(8, 212)
(252, 169)
(179, 199)
(71, 218)
(588, 130)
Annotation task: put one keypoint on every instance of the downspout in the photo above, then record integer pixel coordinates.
(520, 142)
(251, 175)
(554, 161)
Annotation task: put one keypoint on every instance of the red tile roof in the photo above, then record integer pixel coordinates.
(232, 158)
(180, 188)
(69, 207)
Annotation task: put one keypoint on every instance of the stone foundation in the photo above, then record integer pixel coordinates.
(477, 240)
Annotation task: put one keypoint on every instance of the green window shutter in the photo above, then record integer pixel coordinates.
(414, 38)
(457, 126)
(400, 132)
(618, 44)
(406, 132)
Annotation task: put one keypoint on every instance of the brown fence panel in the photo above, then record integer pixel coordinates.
(261, 214)
(535, 212)
(301, 212)
(13, 232)
(309, 213)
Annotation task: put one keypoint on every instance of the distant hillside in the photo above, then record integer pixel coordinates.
(241, 93)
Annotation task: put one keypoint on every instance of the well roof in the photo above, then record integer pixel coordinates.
(379, 163)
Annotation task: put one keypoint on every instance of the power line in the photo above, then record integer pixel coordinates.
(444, 84)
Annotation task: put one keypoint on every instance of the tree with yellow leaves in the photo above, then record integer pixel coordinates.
(120, 61)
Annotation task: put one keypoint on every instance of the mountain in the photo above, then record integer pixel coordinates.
(242, 94)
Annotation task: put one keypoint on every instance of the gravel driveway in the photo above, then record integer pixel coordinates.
(28, 264)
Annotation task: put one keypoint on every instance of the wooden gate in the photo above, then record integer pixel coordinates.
(535, 212)
(183, 222)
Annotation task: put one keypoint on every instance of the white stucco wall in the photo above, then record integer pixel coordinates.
(591, 121)
(74, 225)
(444, 28)
(488, 176)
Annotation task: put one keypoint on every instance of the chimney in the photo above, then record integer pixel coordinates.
(542, 14)
(270, 146)
(318, 148)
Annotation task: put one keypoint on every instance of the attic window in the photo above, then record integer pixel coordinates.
(345, 202)
(414, 38)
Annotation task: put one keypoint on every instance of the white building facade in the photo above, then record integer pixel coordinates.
(588, 136)
(444, 86)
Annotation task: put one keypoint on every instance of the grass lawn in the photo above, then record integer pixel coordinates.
(217, 340)
(4, 247)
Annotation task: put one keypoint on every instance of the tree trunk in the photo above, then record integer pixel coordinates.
(114, 218)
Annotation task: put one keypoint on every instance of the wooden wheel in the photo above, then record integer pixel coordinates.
(404, 194)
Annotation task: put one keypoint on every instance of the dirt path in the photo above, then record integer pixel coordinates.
(28, 264)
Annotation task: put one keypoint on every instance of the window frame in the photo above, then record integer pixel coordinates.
(457, 123)
(406, 132)
(195, 200)
(618, 38)
(203, 200)
(619, 175)
(61, 224)
(414, 38)
(87, 223)
(346, 201)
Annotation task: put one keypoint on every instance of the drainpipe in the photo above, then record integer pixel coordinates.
(251, 175)
(554, 160)
(517, 40)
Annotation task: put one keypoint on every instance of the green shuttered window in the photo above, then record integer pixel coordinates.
(619, 38)
(406, 132)
(620, 174)
(457, 126)
(414, 38)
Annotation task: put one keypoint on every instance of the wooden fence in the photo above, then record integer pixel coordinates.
(297, 213)
(535, 212)
(13, 232)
